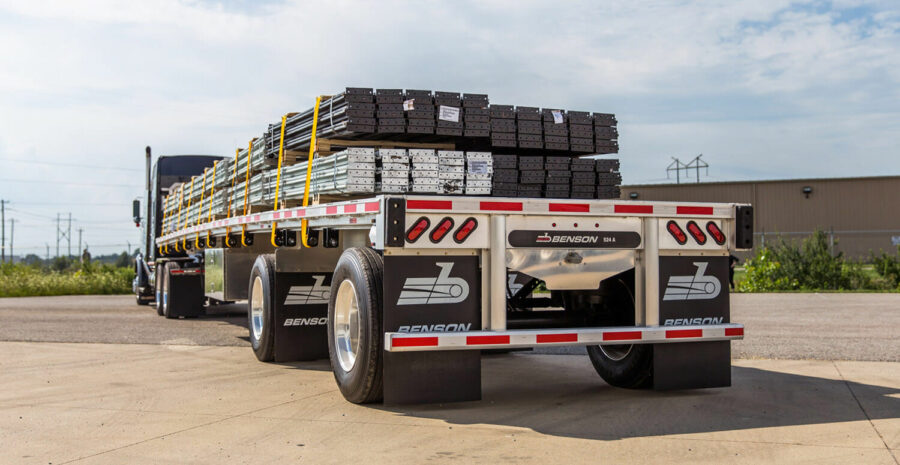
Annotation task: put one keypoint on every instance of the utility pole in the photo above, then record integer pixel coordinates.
(69, 237)
(48, 251)
(677, 166)
(57, 234)
(12, 235)
(128, 244)
(80, 230)
(2, 231)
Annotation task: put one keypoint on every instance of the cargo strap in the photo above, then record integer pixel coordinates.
(231, 192)
(212, 195)
(200, 210)
(180, 204)
(165, 210)
(278, 176)
(186, 219)
(246, 191)
(304, 223)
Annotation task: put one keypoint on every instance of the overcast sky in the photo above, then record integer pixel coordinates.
(763, 89)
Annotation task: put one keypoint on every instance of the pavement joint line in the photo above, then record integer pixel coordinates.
(771, 443)
(871, 423)
(191, 428)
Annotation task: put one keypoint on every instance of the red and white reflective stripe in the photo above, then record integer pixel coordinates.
(410, 342)
(552, 206)
(186, 271)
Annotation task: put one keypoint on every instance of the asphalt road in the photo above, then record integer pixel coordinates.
(855, 326)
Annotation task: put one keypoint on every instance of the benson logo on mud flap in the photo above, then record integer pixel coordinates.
(306, 295)
(697, 287)
(442, 289)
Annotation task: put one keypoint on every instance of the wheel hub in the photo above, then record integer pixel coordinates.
(346, 325)
(256, 308)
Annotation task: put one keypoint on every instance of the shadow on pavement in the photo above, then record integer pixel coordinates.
(550, 398)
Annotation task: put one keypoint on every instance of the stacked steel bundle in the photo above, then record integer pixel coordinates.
(392, 170)
(503, 150)
(424, 172)
(479, 170)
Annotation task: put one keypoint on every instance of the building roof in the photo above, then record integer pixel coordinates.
(687, 184)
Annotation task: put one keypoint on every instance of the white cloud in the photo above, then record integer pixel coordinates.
(762, 88)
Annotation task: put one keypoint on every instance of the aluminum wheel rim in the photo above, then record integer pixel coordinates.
(616, 352)
(346, 325)
(256, 308)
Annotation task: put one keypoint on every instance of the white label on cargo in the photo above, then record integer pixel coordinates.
(557, 116)
(409, 104)
(448, 114)
(478, 167)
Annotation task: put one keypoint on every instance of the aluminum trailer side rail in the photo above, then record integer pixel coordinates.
(362, 214)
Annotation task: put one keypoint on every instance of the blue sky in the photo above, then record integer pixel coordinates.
(764, 89)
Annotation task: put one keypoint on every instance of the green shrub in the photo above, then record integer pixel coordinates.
(811, 266)
(888, 267)
(63, 278)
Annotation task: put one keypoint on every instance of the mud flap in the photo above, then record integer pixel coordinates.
(301, 316)
(693, 291)
(186, 295)
(433, 293)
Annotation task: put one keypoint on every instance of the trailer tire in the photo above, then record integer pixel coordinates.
(355, 338)
(157, 290)
(627, 366)
(624, 366)
(166, 295)
(261, 308)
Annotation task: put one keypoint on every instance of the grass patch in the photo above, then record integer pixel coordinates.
(19, 280)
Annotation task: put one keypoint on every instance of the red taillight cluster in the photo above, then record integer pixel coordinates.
(676, 232)
(441, 230)
(415, 231)
(695, 231)
(713, 229)
(465, 230)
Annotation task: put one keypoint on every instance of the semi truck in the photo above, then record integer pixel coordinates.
(402, 293)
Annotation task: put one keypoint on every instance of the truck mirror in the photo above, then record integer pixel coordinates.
(136, 212)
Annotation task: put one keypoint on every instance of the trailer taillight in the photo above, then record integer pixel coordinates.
(695, 231)
(443, 227)
(713, 229)
(676, 232)
(465, 230)
(415, 231)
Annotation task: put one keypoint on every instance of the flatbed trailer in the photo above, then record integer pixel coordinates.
(403, 292)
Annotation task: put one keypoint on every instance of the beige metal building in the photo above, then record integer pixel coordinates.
(860, 214)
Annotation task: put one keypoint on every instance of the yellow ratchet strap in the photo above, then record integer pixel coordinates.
(165, 213)
(304, 236)
(278, 175)
(246, 191)
(200, 211)
(186, 219)
(231, 194)
(212, 193)
(180, 204)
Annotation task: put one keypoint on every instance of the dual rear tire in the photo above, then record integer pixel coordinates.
(355, 337)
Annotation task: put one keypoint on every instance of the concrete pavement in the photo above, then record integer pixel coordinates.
(158, 404)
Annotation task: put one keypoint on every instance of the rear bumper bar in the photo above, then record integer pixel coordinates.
(476, 340)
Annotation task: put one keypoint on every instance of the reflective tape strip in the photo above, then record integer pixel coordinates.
(636, 209)
(399, 342)
(569, 207)
(429, 204)
(688, 210)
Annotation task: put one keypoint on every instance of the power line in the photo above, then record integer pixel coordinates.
(66, 183)
(70, 165)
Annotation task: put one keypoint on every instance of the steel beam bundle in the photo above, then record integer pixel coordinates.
(504, 150)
